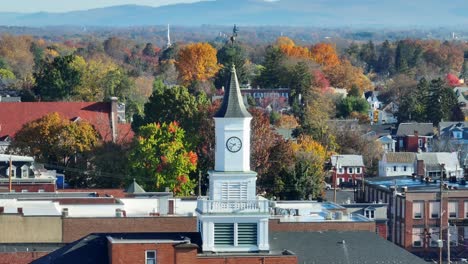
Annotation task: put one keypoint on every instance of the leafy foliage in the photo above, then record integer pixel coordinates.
(162, 158)
(197, 62)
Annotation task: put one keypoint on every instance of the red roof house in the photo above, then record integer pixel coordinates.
(104, 116)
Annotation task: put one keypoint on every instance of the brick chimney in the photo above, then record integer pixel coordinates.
(420, 171)
(416, 134)
(114, 118)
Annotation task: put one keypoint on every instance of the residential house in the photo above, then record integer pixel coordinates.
(414, 137)
(414, 213)
(388, 143)
(462, 95)
(388, 114)
(347, 168)
(453, 137)
(430, 165)
(108, 118)
(397, 164)
(26, 176)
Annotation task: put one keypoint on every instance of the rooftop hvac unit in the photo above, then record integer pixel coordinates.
(65, 212)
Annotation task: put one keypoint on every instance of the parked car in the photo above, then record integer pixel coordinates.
(327, 186)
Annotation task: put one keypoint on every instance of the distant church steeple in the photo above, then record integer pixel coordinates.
(169, 44)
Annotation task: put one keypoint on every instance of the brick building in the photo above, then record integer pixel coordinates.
(414, 213)
(347, 169)
(414, 137)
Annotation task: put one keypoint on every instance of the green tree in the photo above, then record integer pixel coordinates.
(442, 101)
(57, 80)
(167, 104)
(413, 106)
(228, 55)
(345, 106)
(385, 62)
(368, 54)
(272, 75)
(161, 158)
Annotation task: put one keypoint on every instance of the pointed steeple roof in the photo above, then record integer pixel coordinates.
(233, 104)
(134, 187)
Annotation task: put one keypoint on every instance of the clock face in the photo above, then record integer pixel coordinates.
(234, 144)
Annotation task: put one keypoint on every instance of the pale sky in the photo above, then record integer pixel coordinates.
(29, 6)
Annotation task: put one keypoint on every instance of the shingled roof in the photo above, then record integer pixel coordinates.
(233, 104)
(400, 157)
(341, 247)
(348, 160)
(408, 129)
(14, 115)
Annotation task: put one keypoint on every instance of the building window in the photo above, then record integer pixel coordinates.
(246, 234)
(453, 209)
(434, 209)
(394, 168)
(420, 142)
(24, 171)
(224, 234)
(401, 144)
(150, 257)
(350, 170)
(13, 171)
(404, 168)
(369, 213)
(358, 170)
(41, 190)
(418, 209)
(466, 209)
(340, 170)
(453, 230)
(434, 232)
(417, 233)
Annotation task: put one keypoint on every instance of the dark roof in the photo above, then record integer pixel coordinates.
(341, 247)
(134, 187)
(408, 129)
(233, 104)
(93, 248)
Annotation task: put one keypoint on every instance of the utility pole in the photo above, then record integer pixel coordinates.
(335, 178)
(441, 245)
(199, 183)
(9, 174)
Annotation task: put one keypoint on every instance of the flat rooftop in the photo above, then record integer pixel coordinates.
(414, 183)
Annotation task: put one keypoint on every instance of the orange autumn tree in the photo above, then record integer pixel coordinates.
(289, 48)
(197, 62)
(160, 158)
(345, 75)
(325, 54)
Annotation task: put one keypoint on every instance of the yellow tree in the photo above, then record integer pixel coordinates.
(197, 62)
(289, 48)
(345, 75)
(54, 139)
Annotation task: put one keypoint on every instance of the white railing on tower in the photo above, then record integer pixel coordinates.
(232, 206)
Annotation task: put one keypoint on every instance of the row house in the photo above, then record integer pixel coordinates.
(430, 165)
(347, 169)
(414, 137)
(414, 213)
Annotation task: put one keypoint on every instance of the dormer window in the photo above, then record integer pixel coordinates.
(25, 171)
(369, 213)
(13, 171)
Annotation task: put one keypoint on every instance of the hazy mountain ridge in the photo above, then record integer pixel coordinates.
(331, 13)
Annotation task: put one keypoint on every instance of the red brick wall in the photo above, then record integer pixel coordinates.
(20, 257)
(76, 228)
(135, 253)
(382, 230)
(275, 225)
(47, 187)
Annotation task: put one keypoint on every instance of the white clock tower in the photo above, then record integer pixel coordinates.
(233, 218)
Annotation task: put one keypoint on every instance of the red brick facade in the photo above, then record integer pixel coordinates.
(29, 187)
(20, 257)
(135, 253)
(276, 226)
(76, 228)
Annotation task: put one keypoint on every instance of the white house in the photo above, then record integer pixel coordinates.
(397, 164)
(430, 164)
(388, 143)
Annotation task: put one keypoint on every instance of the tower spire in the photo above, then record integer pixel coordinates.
(233, 104)
(169, 44)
